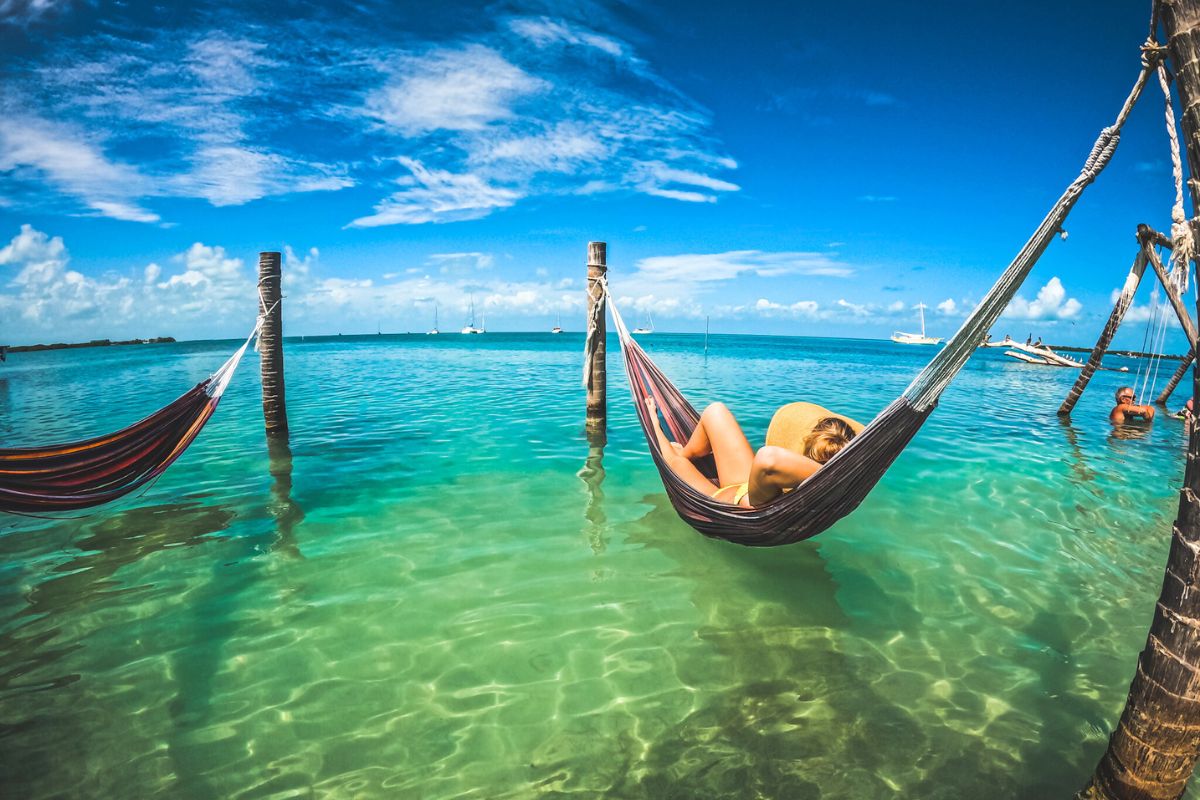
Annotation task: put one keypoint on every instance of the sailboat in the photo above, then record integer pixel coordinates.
(916, 338)
(471, 328)
(435, 330)
(557, 325)
(648, 328)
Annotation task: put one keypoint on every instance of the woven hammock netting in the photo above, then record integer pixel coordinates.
(839, 486)
(79, 475)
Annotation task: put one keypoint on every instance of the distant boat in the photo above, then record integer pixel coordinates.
(435, 330)
(901, 337)
(649, 328)
(557, 325)
(471, 328)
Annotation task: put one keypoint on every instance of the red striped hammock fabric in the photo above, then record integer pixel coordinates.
(79, 475)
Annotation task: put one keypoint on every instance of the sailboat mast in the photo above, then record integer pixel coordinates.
(921, 308)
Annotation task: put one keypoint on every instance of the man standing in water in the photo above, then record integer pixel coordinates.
(1125, 410)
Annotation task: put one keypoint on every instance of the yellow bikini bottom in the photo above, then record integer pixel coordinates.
(743, 489)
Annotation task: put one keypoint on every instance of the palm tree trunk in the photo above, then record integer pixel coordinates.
(1154, 749)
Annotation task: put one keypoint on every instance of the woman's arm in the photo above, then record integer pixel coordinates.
(776, 469)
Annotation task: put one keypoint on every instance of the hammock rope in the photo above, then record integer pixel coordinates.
(83, 474)
(844, 481)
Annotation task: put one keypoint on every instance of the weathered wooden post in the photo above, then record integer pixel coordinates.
(270, 343)
(1173, 295)
(1154, 749)
(1106, 336)
(1178, 376)
(596, 377)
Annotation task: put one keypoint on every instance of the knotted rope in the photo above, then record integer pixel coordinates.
(1183, 244)
(598, 292)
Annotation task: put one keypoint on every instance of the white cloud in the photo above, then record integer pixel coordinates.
(544, 31)
(461, 89)
(855, 309)
(434, 195)
(653, 177)
(1051, 303)
(74, 165)
(22, 11)
(232, 175)
(703, 267)
(476, 260)
(207, 293)
(948, 306)
(806, 309)
(896, 306)
(189, 98)
(562, 148)
(1142, 313)
(541, 122)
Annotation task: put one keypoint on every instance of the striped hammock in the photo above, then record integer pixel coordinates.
(78, 475)
(838, 487)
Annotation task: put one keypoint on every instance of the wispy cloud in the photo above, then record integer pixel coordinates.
(461, 89)
(524, 122)
(524, 107)
(435, 195)
(703, 267)
(674, 285)
(32, 148)
(22, 12)
(544, 31)
(185, 113)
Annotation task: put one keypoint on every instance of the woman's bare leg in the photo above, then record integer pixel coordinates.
(775, 469)
(671, 452)
(718, 433)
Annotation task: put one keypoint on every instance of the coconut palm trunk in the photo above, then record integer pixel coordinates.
(1154, 749)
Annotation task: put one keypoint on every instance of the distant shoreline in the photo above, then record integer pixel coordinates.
(1123, 353)
(29, 348)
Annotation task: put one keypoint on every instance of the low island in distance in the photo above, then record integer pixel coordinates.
(26, 348)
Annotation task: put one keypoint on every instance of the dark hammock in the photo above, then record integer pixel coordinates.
(839, 486)
(78, 475)
(830, 494)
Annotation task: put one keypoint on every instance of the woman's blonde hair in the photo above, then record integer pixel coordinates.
(828, 436)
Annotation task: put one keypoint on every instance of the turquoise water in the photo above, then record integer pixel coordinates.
(443, 594)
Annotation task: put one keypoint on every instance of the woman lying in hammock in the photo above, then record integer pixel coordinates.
(805, 436)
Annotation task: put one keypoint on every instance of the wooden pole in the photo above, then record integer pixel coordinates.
(270, 344)
(1106, 336)
(1154, 749)
(1185, 319)
(1180, 372)
(1177, 303)
(597, 402)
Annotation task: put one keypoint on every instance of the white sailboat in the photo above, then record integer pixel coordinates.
(557, 325)
(471, 328)
(915, 338)
(649, 328)
(435, 330)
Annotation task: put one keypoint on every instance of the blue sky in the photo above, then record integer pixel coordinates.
(787, 168)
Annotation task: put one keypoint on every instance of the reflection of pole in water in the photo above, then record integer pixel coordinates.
(1078, 462)
(592, 475)
(283, 508)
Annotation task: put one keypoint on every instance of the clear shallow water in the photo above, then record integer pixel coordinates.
(442, 600)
